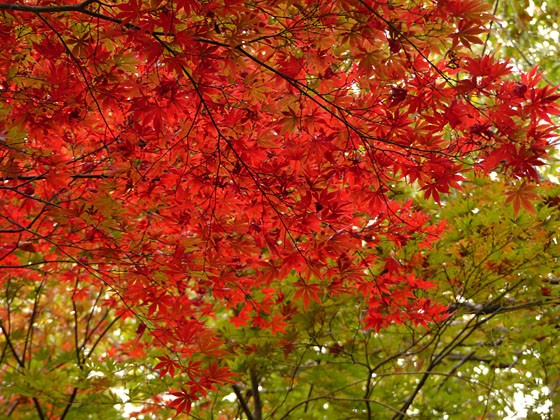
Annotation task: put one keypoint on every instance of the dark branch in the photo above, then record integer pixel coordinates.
(38, 408)
(470, 357)
(495, 307)
(242, 402)
(69, 403)
(256, 394)
(11, 345)
(42, 177)
(80, 7)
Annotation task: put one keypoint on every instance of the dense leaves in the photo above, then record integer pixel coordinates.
(192, 173)
(494, 356)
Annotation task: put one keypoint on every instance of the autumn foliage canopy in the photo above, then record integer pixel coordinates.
(181, 160)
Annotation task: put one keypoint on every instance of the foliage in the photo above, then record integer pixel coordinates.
(499, 275)
(528, 32)
(200, 196)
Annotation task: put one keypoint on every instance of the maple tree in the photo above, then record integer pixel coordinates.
(494, 355)
(183, 179)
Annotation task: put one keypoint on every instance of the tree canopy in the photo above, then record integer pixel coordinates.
(273, 209)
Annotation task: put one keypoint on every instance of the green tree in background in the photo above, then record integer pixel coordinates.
(495, 356)
(529, 32)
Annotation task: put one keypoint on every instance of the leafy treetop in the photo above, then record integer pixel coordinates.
(243, 155)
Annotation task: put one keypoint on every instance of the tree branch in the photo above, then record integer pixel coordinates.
(69, 403)
(43, 177)
(29, 336)
(38, 408)
(11, 345)
(242, 402)
(256, 394)
(80, 7)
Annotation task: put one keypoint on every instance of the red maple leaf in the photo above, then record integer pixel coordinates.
(522, 196)
(307, 292)
(183, 400)
(167, 365)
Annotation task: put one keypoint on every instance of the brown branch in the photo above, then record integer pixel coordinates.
(469, 329)
(101, 335)
(69, 403)
(87, 332)
(76, 334)
(38, 408)
(494, 307)
(11, 345)
(333, 398)
(21, 363)
(309, 393)
(31, 264)
(29, 336)
(43, 177)
(242, 402)
(463, 358)
(491, 27)
(256, 394)
(470, 357)
(80, 7)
